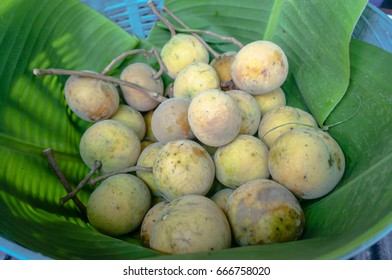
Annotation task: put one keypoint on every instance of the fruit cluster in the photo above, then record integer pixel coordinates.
(216, 159)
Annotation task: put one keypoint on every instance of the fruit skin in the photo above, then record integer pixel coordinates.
(214, 117)
(210, 150)
(275, 122)
(259, 67)
(308, 161)
(190, 224)
(170, 120)
(194, 78)
(146, 159)
(182, 50)
(271, 100)
(118, 205)
(111, 142)
(91, 99)
(149, 221)
(250, 111)
(183, 167)
(145, 143)
(242, 160)
(131, 118)
(222, 65)
(263, 212)
(221, 197)
(141, 74)
(149, 134)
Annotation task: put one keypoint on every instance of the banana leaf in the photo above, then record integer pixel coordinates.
(340, 80)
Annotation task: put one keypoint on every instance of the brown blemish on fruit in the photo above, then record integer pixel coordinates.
(170, 129)
(265, 72)
(284, 226)
(338, 161)
(277, 59)
(199, 153)
(331, 161)
(182, 121)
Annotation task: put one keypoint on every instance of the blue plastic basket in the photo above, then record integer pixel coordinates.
(134, 16)
(374, 27)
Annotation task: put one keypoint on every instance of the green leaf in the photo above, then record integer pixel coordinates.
(366, 140)
(67, 34)
(315, 36)
(34, 116)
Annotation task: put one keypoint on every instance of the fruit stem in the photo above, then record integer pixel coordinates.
(162, 66)
(207, 32)
(52, 71)
(169, 90)
(97, 165)
(53, 164)
(120, 171)
(328, 126)
(215, 54)
(284, 124)
(153, 51)
(172, 29)
(122, 56)
(229, 85)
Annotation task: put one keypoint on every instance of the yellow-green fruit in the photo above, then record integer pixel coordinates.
(182, 50)
(155, 200)
(270, 101)
(210, 150)
(91, 99)
(170, 120)
(308, 161)
(274, 123)
(194, 78)
(190, 224)
(222, 65)
(147, 159)
(149, 134)
(112, 143)
(221, 197)
(142, 75)
(263, 212)
(131, 118)
(259, 67)
(250, 111)
(183, 167)
(145, 143)
(149, 221)
(242, 160)
(214, 117)
(118, 205)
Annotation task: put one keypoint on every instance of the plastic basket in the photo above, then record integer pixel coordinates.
(374, 27)
(136, 18)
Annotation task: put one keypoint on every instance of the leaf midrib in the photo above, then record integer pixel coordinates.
(273, 20)
(20, 146)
